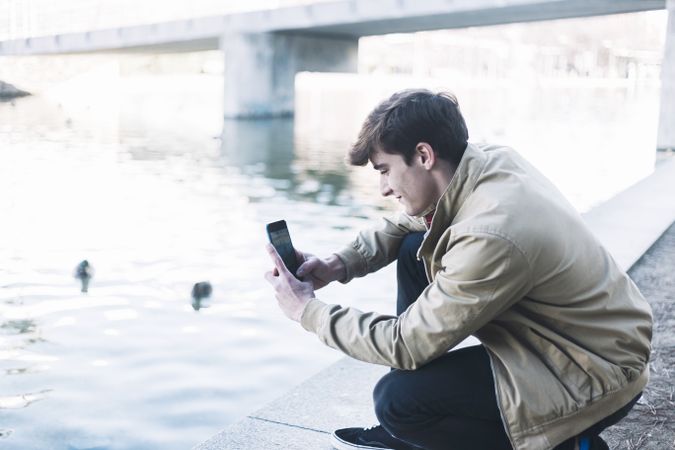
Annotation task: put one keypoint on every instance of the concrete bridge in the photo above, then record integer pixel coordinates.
(263, 50)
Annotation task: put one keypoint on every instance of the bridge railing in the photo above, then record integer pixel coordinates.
(33, 18)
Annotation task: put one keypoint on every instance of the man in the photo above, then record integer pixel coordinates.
(488, 247)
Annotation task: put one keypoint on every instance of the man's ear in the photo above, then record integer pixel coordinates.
(426, 155)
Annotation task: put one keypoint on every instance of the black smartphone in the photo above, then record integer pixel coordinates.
(281, 240)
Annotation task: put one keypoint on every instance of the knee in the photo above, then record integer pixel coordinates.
(386, 397)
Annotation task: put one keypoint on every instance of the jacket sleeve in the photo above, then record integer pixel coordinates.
(376, 247)
(482, 276)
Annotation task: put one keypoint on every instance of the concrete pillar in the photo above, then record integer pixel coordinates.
(666, 136)
(260, 69)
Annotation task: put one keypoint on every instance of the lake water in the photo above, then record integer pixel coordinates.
(143, 179)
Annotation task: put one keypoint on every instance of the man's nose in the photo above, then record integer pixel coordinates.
(385, 190)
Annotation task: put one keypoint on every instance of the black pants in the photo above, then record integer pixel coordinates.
(449, 403)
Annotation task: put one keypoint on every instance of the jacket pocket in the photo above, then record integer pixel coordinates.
(583, 375)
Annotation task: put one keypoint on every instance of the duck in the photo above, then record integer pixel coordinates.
(200, 291)
(84, 272)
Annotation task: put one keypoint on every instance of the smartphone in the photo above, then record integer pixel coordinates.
(281, 240)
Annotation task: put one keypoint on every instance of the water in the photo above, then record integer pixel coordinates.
(145, 181)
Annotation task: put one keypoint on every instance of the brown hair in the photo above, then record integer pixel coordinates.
(407, 118)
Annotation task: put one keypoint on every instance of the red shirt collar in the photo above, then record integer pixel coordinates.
(428, 218)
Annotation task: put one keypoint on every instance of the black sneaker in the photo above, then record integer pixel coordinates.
(375, 438)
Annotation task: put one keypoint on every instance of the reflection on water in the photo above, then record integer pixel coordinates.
(158, 194)
(302, 168)
(22, 400)
(18, 326)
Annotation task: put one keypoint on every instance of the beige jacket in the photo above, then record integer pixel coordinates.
(511, 262)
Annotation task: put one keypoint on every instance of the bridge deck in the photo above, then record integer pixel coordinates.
(343, 19)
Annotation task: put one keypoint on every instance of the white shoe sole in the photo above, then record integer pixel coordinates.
(339, 444)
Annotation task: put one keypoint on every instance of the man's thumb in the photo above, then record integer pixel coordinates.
(307, 266)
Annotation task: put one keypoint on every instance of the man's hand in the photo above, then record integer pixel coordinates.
(292, 294)
(321, 271)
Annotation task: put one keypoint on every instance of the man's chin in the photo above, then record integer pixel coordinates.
(412, 212)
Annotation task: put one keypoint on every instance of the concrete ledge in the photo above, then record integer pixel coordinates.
(255, 433)
(630, 222)
(340, 395)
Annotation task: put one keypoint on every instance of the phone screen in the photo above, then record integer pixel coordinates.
(281, 240)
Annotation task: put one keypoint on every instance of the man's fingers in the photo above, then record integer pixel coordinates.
(308, 266)
(301, 256)
(278, 262)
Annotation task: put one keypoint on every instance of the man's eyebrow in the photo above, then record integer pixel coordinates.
(379, 166)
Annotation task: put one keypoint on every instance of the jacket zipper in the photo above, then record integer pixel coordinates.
(419, 258)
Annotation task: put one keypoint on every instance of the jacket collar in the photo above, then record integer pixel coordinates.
(461, 185)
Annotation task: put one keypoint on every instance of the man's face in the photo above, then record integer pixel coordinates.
(412, 185)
